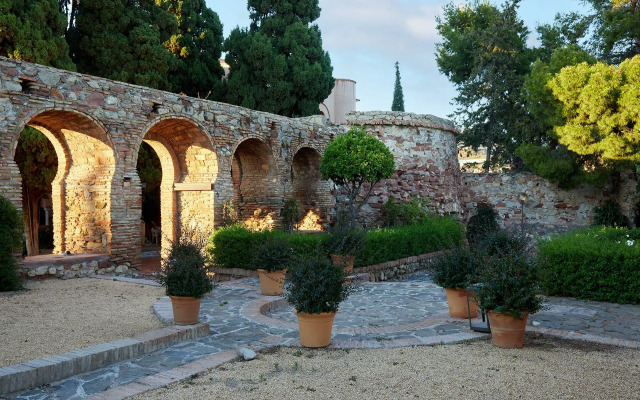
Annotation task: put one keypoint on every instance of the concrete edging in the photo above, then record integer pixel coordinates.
(38, 372)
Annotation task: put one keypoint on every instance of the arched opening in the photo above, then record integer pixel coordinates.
(149, 169)
(310, 192)
(189, 169)
(256, 194)
(80, 193)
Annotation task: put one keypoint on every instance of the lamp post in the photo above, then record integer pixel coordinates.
(522, 198)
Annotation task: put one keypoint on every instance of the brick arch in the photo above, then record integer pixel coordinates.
(308, 189)
(189, 173)
(257, 192)
(81, 190)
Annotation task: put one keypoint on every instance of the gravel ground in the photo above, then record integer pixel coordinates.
(54, 316)
(546, 368)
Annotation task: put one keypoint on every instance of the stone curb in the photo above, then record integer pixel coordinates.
(571, 335)
(34, 373)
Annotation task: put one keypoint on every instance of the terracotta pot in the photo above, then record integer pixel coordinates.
(457, 299)
(347, 261)
(271, 283)
(507, 331)
(315, 329)
(185, 310)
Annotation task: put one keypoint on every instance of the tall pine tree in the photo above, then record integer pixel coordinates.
(197, 46)
(398, 97)
(33, 30)
(123, 40)
(278, 64)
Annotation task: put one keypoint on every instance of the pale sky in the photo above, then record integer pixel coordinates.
(366, 37)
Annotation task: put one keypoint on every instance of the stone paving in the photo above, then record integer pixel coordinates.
(390, 314)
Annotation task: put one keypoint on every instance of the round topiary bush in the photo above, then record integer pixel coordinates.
(455, 269)
(11, 228)
(275, 254)
(184, 272)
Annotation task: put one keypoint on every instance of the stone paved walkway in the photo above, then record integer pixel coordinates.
(392, 314)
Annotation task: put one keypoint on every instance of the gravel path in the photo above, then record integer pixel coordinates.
(54, 316)
(546, 368)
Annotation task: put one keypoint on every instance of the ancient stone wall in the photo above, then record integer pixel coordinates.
(548, 208)
(97, 125)
(426, 159)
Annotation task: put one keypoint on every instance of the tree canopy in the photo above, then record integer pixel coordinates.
(278, 64)
(33, 30)
(484, 54)
(398, 97)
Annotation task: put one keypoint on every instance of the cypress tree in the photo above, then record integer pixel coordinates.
(33, 30)
(398, 97)
(123, 40)
(196, 46)
(278, 64)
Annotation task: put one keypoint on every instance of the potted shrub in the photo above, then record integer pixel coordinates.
(184, 275)
(509, 292)
(272, 259)
(454, 271)
(315, 288)
(343, 245)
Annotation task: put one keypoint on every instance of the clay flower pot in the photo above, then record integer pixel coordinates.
(271, 283)
(186, 310)
(315, 329)
(507, 331)
(346, 260)
(457, 299)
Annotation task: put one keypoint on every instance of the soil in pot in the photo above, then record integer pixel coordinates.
(457, 299)
(347, 260)
(271, 283)
(507, 331)
(315, 329)
(186, 310)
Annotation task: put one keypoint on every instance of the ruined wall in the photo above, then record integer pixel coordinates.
(426, 158)
(549, 208)
(97, 126)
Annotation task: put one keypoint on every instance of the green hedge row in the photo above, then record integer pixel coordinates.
(233, 247)
(601, 264)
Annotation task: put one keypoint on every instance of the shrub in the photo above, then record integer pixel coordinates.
(290, 214)
(609, 214)
(386, 244)
(345, 241)
(10, 241)
(315, 285)
(184, 272)
(455, 269)
(273, 255)
(481, 225)
(601, 264)
(397, 214)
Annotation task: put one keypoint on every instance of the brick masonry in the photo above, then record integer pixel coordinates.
(211, 153)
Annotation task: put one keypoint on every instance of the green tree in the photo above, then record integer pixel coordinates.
(354, 159)
(483, 53)
(616, 29)
(398, 97)
(10, 242)
(197, 46)
(123, 40)
(38, 164)
(566, 30)
(601, 108)
(33, 30)
(278, 64)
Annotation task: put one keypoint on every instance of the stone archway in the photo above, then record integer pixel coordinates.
(257, 192)
(308, 189)
(189, 172)
(81, 189)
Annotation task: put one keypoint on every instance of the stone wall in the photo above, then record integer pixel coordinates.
(426, 159)
(97, 125)
(548, 207)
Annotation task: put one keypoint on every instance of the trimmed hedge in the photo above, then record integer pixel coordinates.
(601, 264)
(234, 247)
